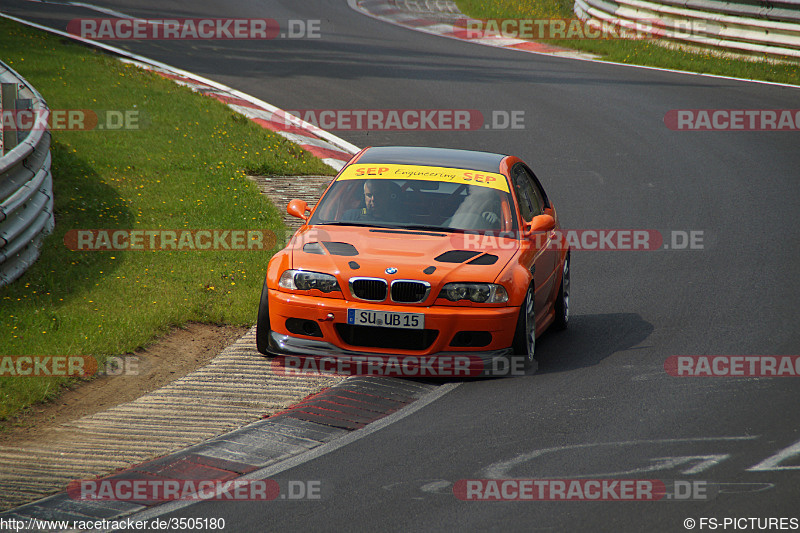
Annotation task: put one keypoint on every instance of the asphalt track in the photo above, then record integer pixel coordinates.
(601, 405)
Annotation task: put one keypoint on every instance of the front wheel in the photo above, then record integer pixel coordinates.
(562, 303)
(262, 325)
(525, 335)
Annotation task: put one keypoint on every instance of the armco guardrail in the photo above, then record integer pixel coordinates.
(756, 26)
(26, 185)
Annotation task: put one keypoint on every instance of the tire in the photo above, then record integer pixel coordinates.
(262, 325)
(525, 335)
(562, 303)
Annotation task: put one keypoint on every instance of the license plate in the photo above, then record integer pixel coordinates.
(385, 319)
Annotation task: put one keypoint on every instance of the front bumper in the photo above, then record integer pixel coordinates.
(493, 363)
(330, 314)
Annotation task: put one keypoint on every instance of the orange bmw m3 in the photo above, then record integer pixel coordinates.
(414, 252)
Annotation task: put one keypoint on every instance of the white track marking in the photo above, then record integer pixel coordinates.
(771, 463)
(324, 449)
(499, 470)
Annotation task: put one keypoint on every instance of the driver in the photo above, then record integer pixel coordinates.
(377, 202)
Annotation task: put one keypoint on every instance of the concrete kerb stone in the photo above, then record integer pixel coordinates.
(257, 445)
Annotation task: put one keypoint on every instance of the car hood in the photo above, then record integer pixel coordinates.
(435, 257)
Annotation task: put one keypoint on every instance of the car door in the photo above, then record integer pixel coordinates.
(544, 254)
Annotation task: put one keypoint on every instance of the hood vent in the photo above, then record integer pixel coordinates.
(340, 248)
(313, 248)
(456, 256)
(485, 259)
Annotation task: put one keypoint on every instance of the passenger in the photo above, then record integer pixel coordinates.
(480, 210)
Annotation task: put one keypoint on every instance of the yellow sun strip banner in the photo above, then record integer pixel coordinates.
(415, 172)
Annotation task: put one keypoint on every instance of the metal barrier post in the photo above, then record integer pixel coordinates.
(8, 103)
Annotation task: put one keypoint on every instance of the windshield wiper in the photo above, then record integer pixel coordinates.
(346, 223)
(423, 227)
(390, 226)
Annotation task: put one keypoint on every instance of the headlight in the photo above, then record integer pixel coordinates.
(489, 293)
(302, 280)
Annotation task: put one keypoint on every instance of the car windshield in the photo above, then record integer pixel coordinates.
(420, 204)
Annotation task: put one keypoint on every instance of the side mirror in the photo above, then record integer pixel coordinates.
(297, 208)
(542, 223)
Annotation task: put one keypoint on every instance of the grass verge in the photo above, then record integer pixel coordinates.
(636, 52)
(185, 168)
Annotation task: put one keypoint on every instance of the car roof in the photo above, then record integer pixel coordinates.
(434, 157)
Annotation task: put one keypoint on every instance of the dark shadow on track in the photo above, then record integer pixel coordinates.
(590, 339)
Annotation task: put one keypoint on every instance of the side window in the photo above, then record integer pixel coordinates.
(537, 190)
(523, 198)
(530, 198)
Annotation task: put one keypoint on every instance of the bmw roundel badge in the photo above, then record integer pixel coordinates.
(391, 270)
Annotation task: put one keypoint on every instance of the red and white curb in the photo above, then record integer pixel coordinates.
(332, 150)
(428, 19)
(388, 11)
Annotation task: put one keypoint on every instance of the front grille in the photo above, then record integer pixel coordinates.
(404, 291)
(372, 289)
(375, 337)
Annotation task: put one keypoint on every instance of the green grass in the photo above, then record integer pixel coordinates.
(185, 169)
(637, 52)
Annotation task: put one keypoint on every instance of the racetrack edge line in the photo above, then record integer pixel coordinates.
(332, 139)
(354, 6)
(323, 449)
